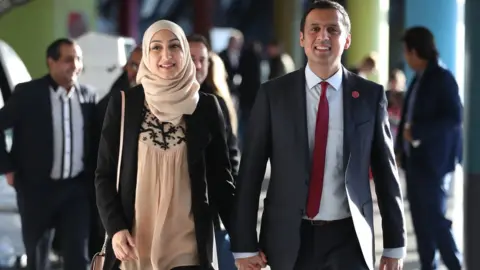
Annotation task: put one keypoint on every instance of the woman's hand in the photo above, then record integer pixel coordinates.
(124, 246)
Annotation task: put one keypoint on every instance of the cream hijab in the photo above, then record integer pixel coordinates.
(169, 99)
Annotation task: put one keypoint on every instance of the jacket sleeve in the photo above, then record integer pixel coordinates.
(10, 116)
(219, 177)
(256, 152)
(385, 175)
(232, 143)
(108, 199)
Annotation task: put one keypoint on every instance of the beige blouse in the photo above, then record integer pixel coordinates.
(164, 230)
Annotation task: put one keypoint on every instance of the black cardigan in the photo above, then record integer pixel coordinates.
(208, 162)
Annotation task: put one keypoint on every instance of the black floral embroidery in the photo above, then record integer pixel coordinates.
(162, 134)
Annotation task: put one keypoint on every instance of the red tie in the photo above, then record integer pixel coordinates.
(318, 164)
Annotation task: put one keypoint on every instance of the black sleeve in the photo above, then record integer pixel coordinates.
(219, 177)
(256, 152)
(10, 116)
(234, 153)
(108, 200)
(386, 178)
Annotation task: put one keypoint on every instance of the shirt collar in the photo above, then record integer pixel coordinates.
(55, 85)
(312, 79)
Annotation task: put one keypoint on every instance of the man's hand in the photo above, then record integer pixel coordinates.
(391, 264)
(124, 246)
(10, 178)
(252, 263)
(398, 160)
(407, 133)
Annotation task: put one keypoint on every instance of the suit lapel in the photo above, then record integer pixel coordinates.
(44, 92)
(348, 123)
(298, 99)
(81, 100)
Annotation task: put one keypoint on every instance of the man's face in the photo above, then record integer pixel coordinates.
(410, 57)
(324, 37)
(70, 64)
(273, 50)
(236, 43)
(199, 53)
(132, 65)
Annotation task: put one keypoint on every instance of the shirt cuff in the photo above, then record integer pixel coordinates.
(395, 253)
(243, 255)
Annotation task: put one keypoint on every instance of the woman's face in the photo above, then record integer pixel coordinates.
(165, 54)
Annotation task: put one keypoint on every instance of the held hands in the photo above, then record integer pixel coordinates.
(10, 178)
(391, 264)
(252, 263)
(124, 246)
(407, 133)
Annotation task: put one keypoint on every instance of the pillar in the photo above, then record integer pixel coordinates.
(287, 15)
(440, 16)
(472, 134)
(47, 21)
(396, 29)
(370, 33)
(128, 19)
(83, 12)
(29, 39)
(203, 21)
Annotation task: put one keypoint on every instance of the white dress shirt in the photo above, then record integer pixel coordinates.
(67, 133)
(334, 202)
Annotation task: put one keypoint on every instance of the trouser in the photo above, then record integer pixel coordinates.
(60, 205)
(332, 246)
(225, 256)
(428, 206)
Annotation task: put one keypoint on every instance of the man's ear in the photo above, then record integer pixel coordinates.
(348, 42)
(301, 39)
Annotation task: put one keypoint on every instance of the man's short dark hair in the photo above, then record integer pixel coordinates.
(421, 40)
(199, 39)
(53, 50)
(327, 4)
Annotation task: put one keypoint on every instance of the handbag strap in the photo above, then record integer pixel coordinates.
(120, 150)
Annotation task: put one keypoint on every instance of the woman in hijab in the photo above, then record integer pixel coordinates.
(174, 159)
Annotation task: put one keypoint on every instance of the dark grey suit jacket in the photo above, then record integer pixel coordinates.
(278, 131)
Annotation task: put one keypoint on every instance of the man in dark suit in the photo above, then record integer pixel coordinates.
(52, 160)
(321, 127)
(125, 81)
(231, 57)
(429, 147)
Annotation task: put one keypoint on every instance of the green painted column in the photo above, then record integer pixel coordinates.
(370, 32)
(63, 8)
(472, 138)
(30, 28)
(287, 17)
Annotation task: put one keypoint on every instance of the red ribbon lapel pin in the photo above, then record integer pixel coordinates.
(355, 94)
